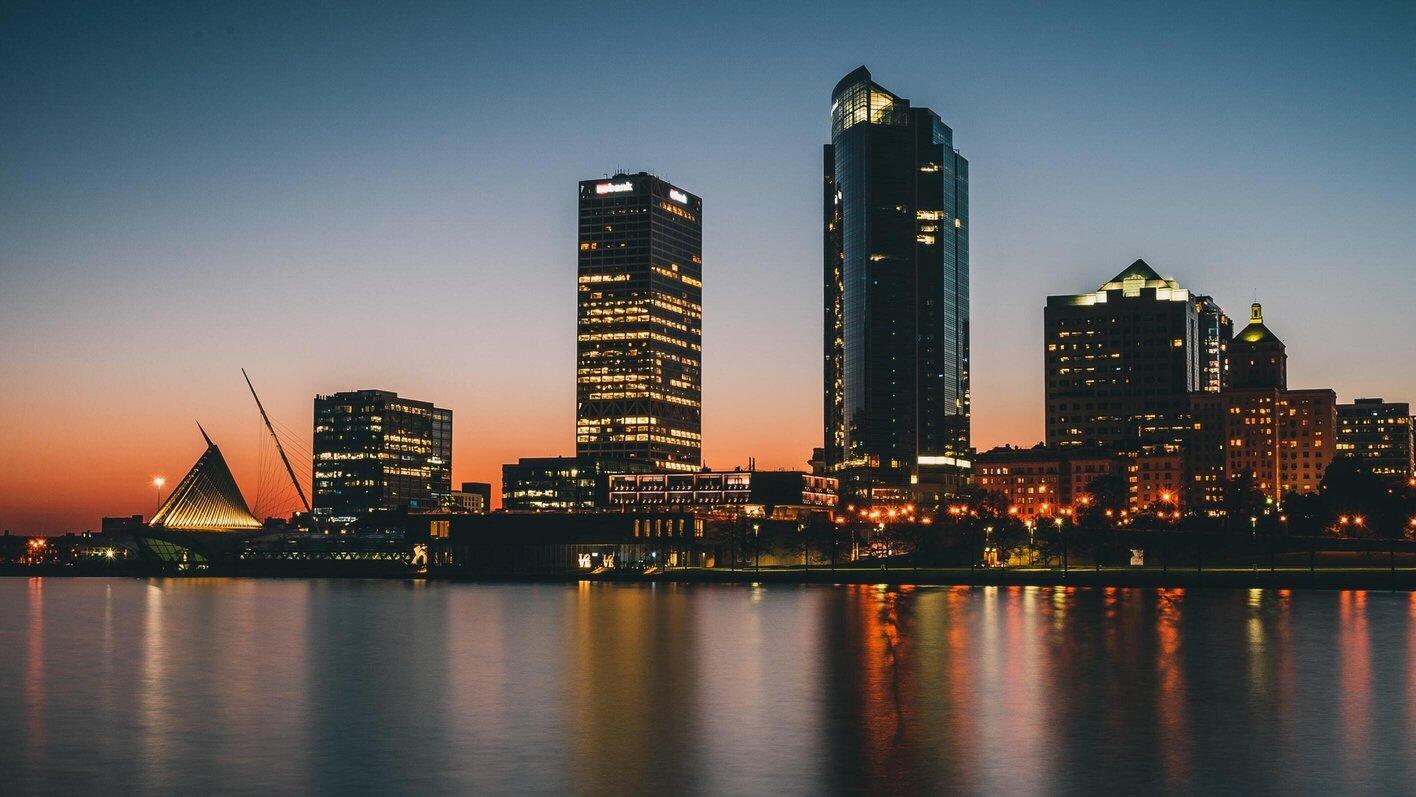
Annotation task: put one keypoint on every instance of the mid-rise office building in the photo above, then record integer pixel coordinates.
(1280, 440)
(1377, 434)
(1122, 361)
(896, 274)
(374, 450)
(639, 323)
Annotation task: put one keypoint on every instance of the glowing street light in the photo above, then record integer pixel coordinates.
(158, 482)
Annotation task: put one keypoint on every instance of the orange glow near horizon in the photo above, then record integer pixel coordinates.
(75, 461)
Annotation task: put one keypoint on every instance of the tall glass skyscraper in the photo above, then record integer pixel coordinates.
(896, 297)
(639, 339)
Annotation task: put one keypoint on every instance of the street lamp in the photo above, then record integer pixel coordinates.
(158, 482)
(756, 548)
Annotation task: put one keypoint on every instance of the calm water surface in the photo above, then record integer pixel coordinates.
(353, 687)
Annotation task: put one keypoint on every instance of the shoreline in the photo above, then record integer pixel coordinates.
(1402, 579)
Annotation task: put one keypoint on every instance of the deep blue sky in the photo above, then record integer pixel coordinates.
(347, 195)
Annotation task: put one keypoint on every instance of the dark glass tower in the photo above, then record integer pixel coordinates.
(376, 451)
(896, 296)
(639, 324)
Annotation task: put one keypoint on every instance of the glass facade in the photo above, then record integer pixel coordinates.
(376, 451)
(1216, 330)
(896, 284)
(639, 327)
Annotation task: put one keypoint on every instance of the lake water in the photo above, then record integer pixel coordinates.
(383, 687)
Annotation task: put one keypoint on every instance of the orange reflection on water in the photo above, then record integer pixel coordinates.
(633, 687)
(1355, 674)
(1171, 696)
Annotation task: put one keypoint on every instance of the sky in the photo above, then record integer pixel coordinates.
(352, 195)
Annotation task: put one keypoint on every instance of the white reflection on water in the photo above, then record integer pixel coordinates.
(154, 694)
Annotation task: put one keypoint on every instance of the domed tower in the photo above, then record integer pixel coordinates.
(1257, 358)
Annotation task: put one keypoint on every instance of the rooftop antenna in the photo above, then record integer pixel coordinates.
(278, 447)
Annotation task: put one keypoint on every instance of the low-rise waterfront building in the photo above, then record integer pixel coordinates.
(1049, 482)
(751, 493)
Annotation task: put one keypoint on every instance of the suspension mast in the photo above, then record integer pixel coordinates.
(278, 447)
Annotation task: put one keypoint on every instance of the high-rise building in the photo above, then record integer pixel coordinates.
(1122, 361)
(1377, 434)
(1216, 330)
(1280, 440)
(377, 451)
(896, 272)
(639, 323)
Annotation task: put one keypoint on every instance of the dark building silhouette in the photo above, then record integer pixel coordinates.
(1121, 362)
(376, 451)
(1377, 434)
(896, 297)
(639, 323)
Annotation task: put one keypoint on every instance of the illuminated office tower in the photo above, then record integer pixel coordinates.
(1121, 362)
(896, 276)
(377, 451)
(639, 324)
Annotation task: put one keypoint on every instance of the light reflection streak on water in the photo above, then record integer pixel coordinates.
(36, 734)
(153, 692)
(1171, 695)
(1354, 687)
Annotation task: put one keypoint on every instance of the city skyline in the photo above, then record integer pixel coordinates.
(114, 272)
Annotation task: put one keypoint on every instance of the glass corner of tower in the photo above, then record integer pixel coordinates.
(859, 75)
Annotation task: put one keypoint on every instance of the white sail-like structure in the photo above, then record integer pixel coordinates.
(207, 498)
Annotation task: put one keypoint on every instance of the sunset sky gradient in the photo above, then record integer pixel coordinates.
(361, 195)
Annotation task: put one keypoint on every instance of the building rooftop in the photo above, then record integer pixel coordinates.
(1256, 332)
